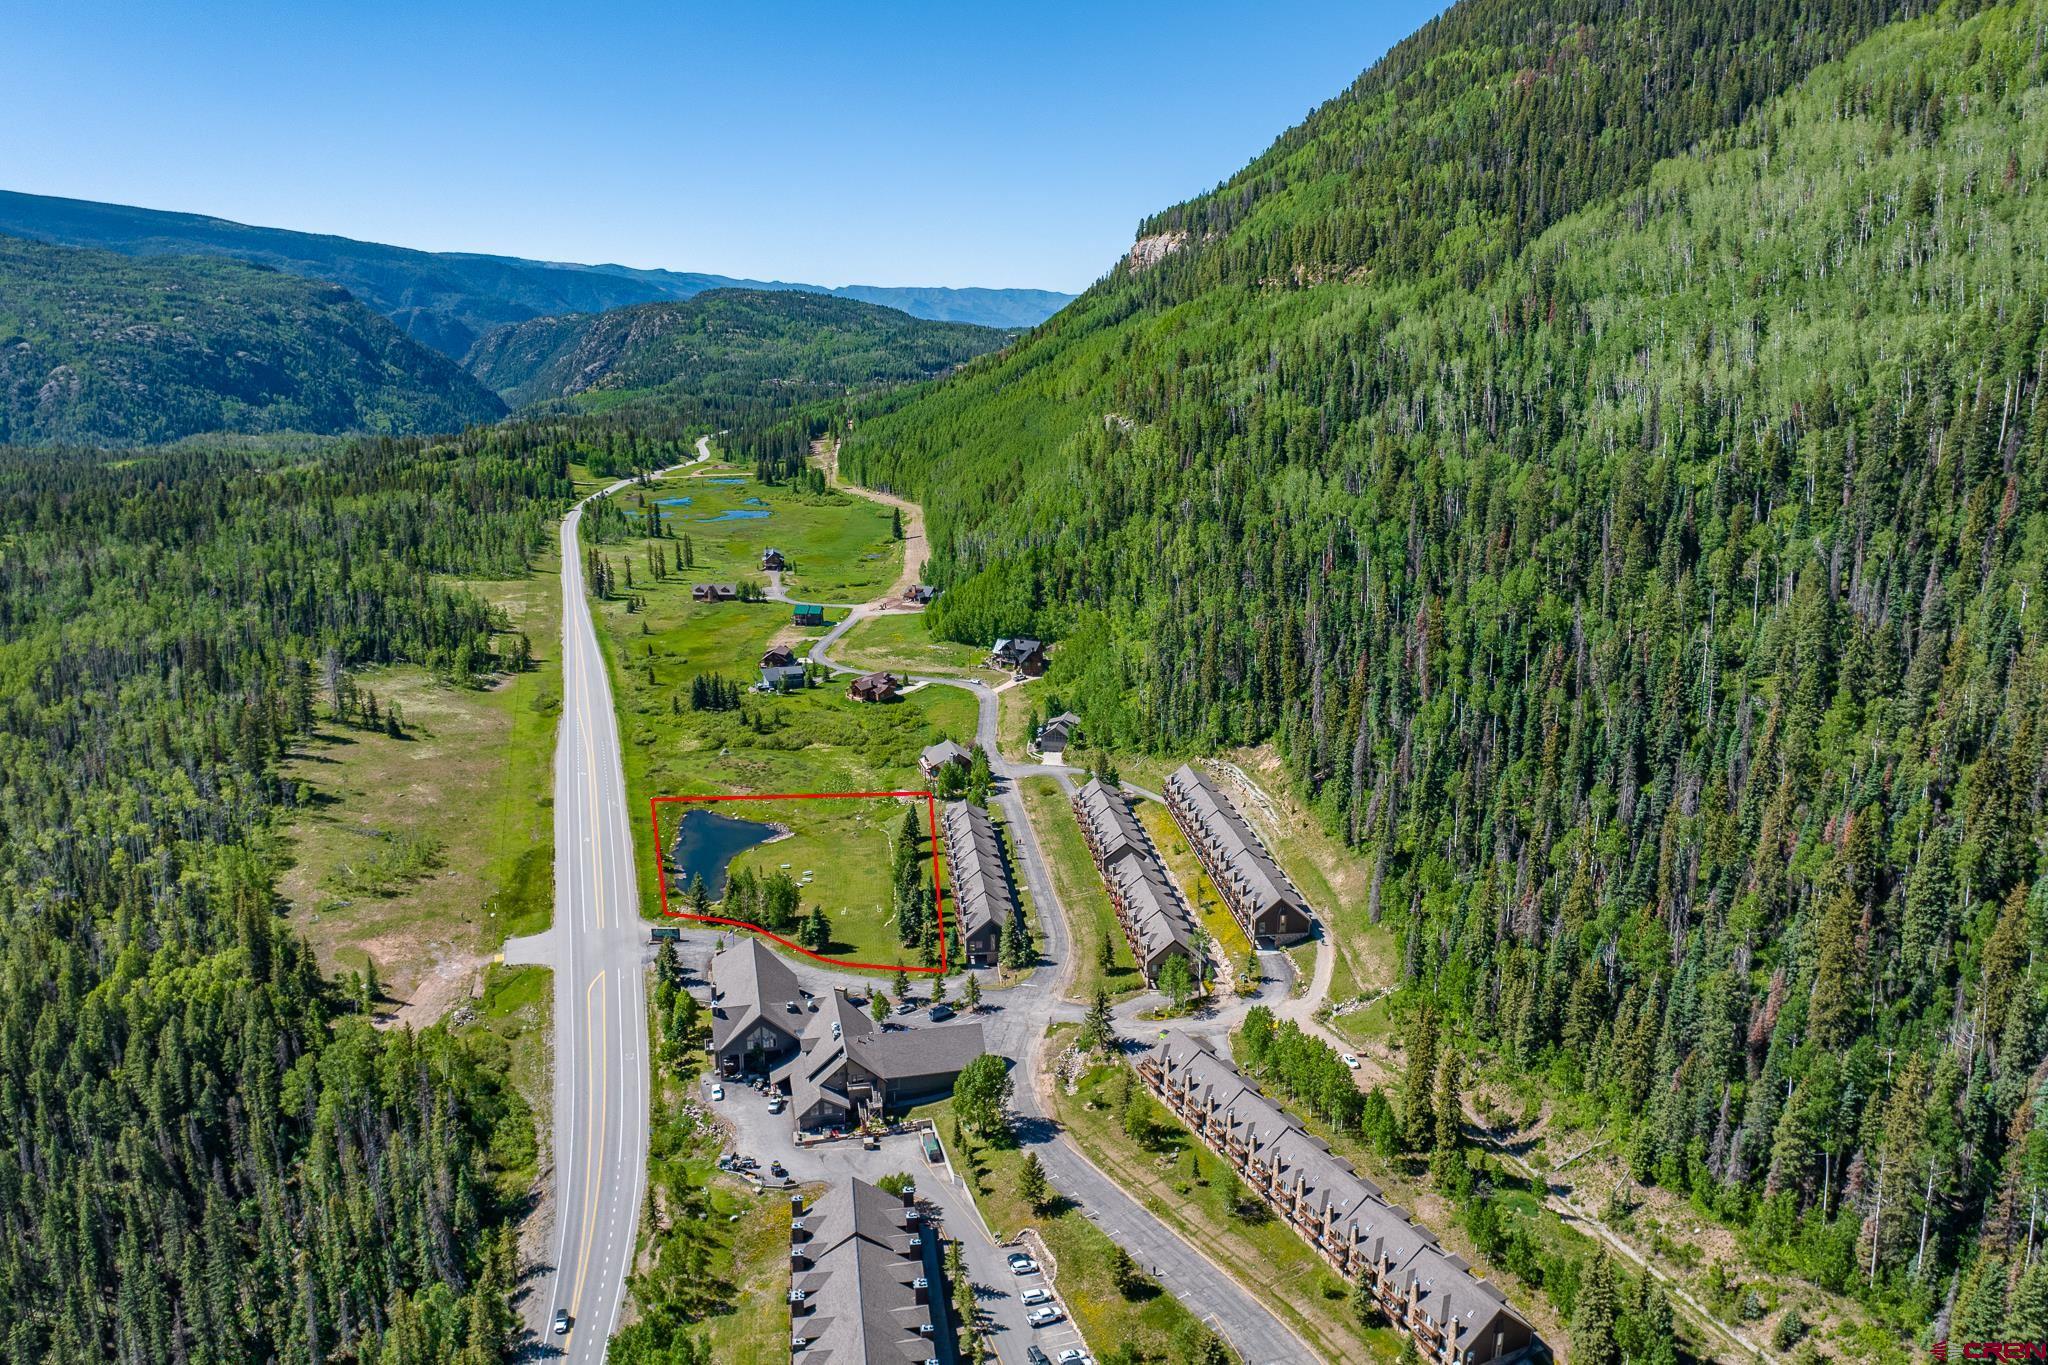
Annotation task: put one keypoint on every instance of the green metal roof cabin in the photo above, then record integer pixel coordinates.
(805, 615)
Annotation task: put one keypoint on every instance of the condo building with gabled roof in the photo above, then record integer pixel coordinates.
(1425, 1290)
(978, 882)
(847, 1068)
(867, 1281)
(1148, 909)
(1252, 885)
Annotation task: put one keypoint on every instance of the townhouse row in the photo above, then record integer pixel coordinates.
(1426, 1291)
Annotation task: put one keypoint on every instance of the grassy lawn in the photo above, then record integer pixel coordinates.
(900, 641)
(1190, 1189)
(422, 854)
(1013, 719)
(846, 848)
(1186, 870)
(838, 546)
(752, 1261)
(814, 740)
(1079, 887)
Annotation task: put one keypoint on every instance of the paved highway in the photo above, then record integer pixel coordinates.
(597, 947)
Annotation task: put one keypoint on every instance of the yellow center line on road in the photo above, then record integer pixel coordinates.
(596, 1053)
(597, 1071)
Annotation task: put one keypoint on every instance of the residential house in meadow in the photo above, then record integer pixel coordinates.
(780, 669)
(849, 1068)
(714, 592)
(1426, 1291)
(1148, 908)
(983, 901)
(924, 594)
(874, 687)
(758, 1012)
(1054, 737)
(772, 559)
(944, 754)
(1250, 882)
(867, 1280)
(1020, 655)
(806, 616)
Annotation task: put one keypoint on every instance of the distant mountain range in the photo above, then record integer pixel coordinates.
(102, 348)
(722, 345)
(447, 300)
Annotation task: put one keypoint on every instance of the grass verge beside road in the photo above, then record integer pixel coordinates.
(900, 642)
(1079, 888)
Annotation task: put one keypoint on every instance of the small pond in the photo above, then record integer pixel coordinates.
(705, 845)
(739, 514)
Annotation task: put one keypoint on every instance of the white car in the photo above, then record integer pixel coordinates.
(717, 1092)
(1073, 1355)
(1037, 1294)
(1044, 1317)
(1351, 1061)
(1020, 1264)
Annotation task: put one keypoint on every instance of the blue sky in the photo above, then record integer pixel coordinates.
(836, 144)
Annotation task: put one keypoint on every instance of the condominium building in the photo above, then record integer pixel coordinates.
(1148, 909)
(978, 884)
(1426, 1291)
(1250, 882)
(867, 1281)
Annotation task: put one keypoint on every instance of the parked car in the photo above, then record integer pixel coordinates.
(941, 1013)
(747, 1163)
(1034, 1356)
(717, 1092)
(775, 1169)
(561, 1322)
(1020, 1264)
(869, 1142)
(777, 1104)
(1037, 1294)
(1073, 1355)
(1044, 1317)
(1351, 1061)
(906, 1006)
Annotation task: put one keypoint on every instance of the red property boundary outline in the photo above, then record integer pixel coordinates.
(931, 815)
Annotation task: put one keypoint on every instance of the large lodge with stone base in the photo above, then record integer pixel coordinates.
(1455, 1317)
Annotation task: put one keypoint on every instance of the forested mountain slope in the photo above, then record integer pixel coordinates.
(101, 348)
(725, 347)
(1640, 561)
(446, 299)
(206, 1152)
